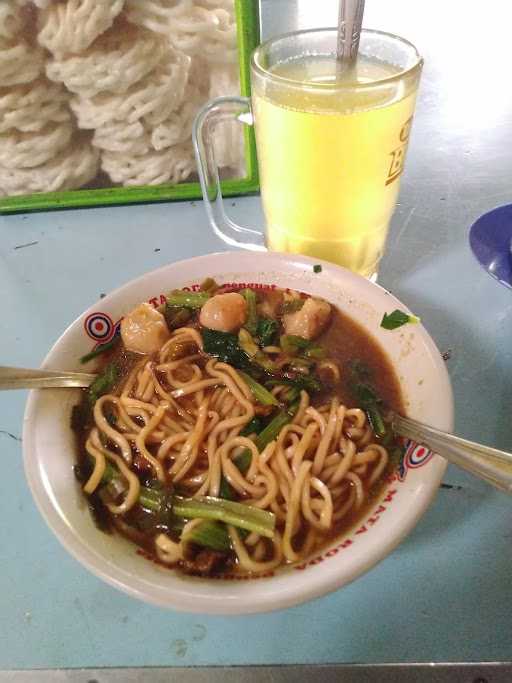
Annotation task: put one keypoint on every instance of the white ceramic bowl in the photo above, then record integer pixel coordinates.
(48, 442)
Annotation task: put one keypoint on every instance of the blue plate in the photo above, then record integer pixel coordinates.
(490, 238)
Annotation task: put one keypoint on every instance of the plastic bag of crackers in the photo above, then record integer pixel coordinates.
(102, 93)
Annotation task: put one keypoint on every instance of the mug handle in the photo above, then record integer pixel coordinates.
(210, 116)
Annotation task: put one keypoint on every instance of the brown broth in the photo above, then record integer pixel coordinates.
(345, 341)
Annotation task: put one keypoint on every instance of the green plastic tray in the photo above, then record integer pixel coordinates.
(248, 25)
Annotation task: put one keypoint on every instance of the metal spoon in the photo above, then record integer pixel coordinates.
(490, 464)
(350, 19)
(22, 378)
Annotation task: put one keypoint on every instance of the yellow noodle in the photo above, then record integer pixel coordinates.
(110, 432)
(246, 562)
(99, 468)
(140, 441)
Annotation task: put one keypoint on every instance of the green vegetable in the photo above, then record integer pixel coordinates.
(251, 324)
(225, 346)
(272, 430)
(188, 299)
(84, 470)
(151, 499)
(292, 306)
(247, 343)
(376, 421)
(252, 427)
(101, 349)
(292, 344)
(266, 331)
(110, 473)
(367, 398)
(291, 395)
(391, 321)
(226, 491)
(176, 316)
(103, 383)
(209, 534)
(259, 392)
(317, 268)
(230, 512)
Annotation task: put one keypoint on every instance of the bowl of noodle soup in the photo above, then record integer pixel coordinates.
(240, 461)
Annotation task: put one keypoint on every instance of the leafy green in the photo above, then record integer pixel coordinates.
(179, 297)
(292, 343)
(101, 349)
(230, 512)
(209, 534)
(272, 430)
(266, 331)
(390, 321)
(367, 397)
(103, 383)
(225, 346)
(317, 268)
(252, 427)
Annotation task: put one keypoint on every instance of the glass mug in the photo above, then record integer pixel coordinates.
(331, 145)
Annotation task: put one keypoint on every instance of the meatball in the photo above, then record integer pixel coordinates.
(224, 312)
(144, 330)
(310, 320)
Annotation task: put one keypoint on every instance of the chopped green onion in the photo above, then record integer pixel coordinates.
(259, 392)
(292, 305)
(225, 346)
(101, 349)
(230, 512)
(103, 383)
(188, 299)
(391, 321)
(251, 324)
(209, 534)
(317, 268)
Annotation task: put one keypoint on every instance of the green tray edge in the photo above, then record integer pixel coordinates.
(248, 37)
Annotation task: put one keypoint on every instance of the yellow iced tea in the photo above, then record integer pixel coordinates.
(330, 160)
